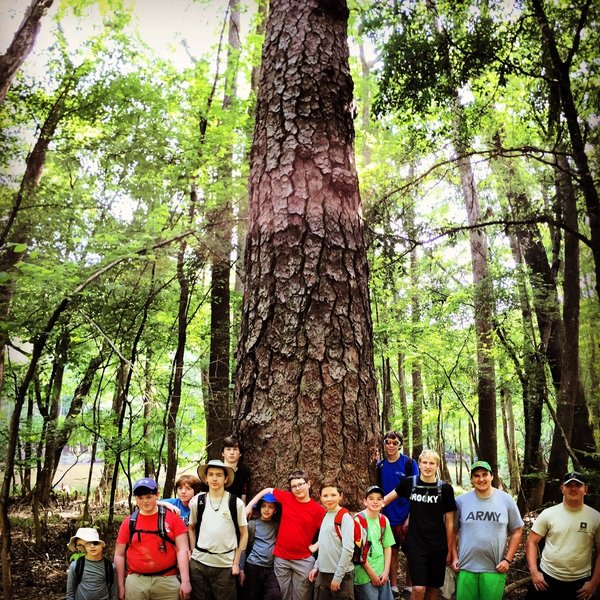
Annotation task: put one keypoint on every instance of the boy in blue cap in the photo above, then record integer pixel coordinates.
(256, 566)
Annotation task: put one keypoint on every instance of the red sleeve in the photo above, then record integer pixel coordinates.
(123, 535)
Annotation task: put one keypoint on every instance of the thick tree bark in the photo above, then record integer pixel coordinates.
(22, 44)
(305, 387)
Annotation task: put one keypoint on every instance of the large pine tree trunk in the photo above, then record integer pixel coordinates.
(305, 387)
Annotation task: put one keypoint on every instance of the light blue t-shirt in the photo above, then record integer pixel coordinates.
(484, 525)
(185, 510)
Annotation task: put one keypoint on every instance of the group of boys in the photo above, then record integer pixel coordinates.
(477, 534)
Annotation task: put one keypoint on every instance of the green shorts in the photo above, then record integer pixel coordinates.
(480, 586)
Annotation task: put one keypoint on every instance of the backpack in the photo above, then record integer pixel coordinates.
(161, 532)
(232, 512)
(409, 467)
(362, 544)
(109, 574)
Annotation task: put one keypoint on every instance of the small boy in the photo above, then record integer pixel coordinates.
(187, 486)
(153, 557)
(301, 517)
(256, 566)
(333, 570)
(371, 580)
(91, 576)
(213, 535)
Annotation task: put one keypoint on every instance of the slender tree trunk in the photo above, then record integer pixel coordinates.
(415, 317)
(508, 429)
(22, 45)
(484, 316)
(561, 73)
(305, 387)
(403, 403)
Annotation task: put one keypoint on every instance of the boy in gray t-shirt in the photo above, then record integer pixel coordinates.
(486, 519)
(91, 576)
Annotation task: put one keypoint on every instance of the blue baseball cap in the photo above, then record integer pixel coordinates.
(144, 486)
(266, 498)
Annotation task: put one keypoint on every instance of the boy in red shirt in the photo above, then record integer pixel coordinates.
(301, 518)
(152, 562)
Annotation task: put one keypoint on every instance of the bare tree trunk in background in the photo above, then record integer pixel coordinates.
(22, 44)
(560, 73)
(305, 386)
(403, 403)
(484, 316)
(508, 429)
(218, 417)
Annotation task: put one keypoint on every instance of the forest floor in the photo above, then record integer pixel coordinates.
(41, 574)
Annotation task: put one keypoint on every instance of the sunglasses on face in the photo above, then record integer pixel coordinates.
(86, 544)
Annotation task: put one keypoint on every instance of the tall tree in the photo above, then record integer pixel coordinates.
(305, 388)
(22, 43)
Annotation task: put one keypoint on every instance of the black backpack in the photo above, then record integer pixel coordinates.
(232, 512)
(161, 532)
(109, 574)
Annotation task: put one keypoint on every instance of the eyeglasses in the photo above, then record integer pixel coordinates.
(297, 486)
(86, 544)
(392, 443)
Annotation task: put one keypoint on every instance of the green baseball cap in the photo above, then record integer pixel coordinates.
(481, 464)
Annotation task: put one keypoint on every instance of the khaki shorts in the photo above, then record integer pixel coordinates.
(151, 587)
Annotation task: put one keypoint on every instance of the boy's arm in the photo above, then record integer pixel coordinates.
(183, 562)
(390, 497)
(169, 506)
(449, 522)
(387, 561)
(372, 574)
(192, 523)
(346, 551)
(119, 560)
(250, 505)
(513, 544)
(70, 582)
(235, 568)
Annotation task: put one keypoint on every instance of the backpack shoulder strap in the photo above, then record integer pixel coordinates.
(162, 530)
(132, 521)
(79, 567)
(251, 533)
(201, 505)
(337, 521)
(234, 515)
(109, 574)
(382, 526)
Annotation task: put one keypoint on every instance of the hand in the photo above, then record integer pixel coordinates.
(242, 577)
(586, 591)
(455, 566)
(235, 570)
(384, 577)
(539, 583)
(503, 566)
(172, 508)
(249, 510)
(313, 575)
(185, 590)
(375, 581)
(335, 586)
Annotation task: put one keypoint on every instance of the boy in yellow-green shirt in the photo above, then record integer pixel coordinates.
(371, 580)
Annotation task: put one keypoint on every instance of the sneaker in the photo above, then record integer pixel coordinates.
(395, 592)
(405, 595)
